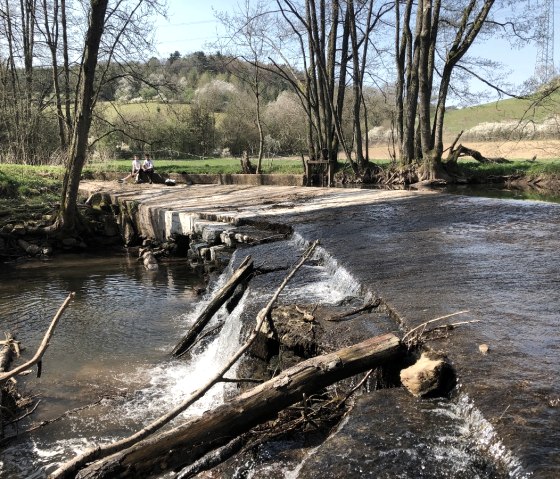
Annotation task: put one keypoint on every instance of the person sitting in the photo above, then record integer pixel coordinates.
(148, 168)
(135, 171)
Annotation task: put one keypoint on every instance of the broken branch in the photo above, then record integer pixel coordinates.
(70, 468)
(42, 347)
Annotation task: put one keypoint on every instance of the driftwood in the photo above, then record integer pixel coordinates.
(240, 275)
(461, 150)
(69, 469)
(36, 359)
(186, 443)
(367, 307)
(6, 353)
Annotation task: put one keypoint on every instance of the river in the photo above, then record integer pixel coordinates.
(425, 256)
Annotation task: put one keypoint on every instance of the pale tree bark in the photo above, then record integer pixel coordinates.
(419, 129)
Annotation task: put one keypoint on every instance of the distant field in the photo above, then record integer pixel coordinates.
(502, 110)
(511, 150)
(111, 108)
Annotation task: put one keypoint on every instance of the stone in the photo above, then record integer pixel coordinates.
(150, 261)
(431, 376)
(18, 230)
(33, 249)
(23, 244)
(69, 242)
(211, 234)
(483, 348)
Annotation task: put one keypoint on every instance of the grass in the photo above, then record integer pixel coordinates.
(204, 166)
(526, 168)
(502, 110)
(28, 192)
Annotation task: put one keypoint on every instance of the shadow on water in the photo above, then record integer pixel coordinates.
(482, 191)
(499, 192)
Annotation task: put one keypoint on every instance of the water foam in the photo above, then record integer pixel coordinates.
(475, 429)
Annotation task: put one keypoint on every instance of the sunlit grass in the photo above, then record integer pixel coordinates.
(205, 166)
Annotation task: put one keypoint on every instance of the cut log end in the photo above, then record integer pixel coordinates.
(431, 376)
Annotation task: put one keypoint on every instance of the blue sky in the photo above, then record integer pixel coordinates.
(192, 26)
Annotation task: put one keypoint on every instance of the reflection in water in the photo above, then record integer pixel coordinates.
(123, 322)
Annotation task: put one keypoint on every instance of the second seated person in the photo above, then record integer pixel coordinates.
(148, 168)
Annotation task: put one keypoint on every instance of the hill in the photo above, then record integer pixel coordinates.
(532, 109)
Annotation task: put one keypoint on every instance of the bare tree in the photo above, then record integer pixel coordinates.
(426, 61)
(112, 32)
(245, 40)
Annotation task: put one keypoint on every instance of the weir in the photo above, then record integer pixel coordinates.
(427, 255)
(424, 255)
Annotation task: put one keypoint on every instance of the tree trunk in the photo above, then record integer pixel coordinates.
(240, 275)
(68, 215)
(186, 443)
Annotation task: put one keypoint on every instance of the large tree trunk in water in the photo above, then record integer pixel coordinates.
(191, 440)
(67, 219)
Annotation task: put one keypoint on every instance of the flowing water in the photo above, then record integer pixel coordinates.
(113, 344)
(115, 339)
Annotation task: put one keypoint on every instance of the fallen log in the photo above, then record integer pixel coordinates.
(186, 443)
(462, 150)
(6, 353)
(69, 469)
(240, 275)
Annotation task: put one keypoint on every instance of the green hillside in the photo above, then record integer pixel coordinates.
(533, 109)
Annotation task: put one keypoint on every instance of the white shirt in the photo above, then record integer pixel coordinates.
(136, 165)
(148, 163)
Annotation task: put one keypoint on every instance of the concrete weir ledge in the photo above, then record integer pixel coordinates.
(207, 210)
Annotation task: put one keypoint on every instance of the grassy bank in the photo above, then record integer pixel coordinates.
(29, 192)
(206, 166)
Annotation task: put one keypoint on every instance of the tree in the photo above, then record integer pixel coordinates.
(426, 61)
(245, 36)
(68, 214)
(113, 29)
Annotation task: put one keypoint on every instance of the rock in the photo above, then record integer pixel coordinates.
(150, 261)
(33, 249)
(18, 230)
(197, 247)
(23, 244)
(211, 234)
(431, 376)
(110, 228)
(484, 348)
(47, 250)
(128, 232)
(69, 242)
